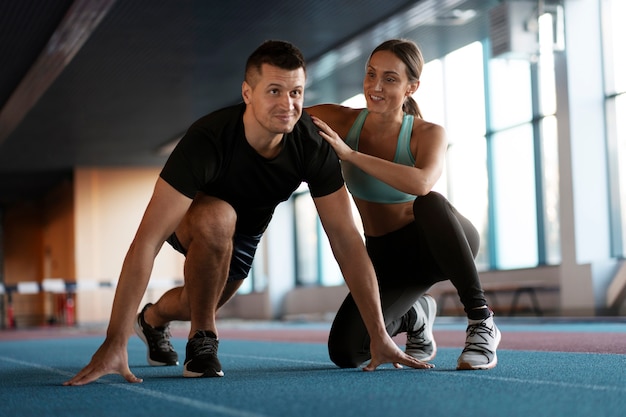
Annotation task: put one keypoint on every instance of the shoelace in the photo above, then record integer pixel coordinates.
(416, 339)
(482, 331)
(163, 339)
(204, 346)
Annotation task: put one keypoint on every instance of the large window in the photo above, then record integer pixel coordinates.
(614, 33)
(308, 240)
(502, 166)
(514, 199)
(546, 143)
(512, 139)
(523, 156)
(462, 89)
(315, 263)
(257, 280)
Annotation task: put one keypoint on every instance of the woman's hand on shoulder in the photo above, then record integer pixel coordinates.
(339, 118)
(341, 148)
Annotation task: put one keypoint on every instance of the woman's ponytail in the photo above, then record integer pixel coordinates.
(410, 107)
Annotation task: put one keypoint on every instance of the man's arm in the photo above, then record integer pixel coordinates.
(164, 212)
(347, 245)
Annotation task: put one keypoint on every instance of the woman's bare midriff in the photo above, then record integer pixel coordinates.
(380, 219)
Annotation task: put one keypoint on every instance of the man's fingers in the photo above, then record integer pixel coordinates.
(91, 373)
(76, 378)
(80, 379)
(83, 377)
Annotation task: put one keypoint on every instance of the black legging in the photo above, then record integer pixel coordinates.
(441, 244)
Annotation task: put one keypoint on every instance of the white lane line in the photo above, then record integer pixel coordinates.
(472, 374)
(186, 401)
(200, 405)
(560, 384)
(267, 358)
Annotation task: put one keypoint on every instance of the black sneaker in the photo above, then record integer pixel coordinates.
(157, 339)
(201, 359)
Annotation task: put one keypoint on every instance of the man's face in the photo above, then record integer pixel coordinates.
(275, 98)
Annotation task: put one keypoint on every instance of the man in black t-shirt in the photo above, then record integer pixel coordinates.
(213, 200)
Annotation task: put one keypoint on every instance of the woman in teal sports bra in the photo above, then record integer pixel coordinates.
(391, 159)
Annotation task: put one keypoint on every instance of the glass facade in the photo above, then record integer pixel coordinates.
(614, 55)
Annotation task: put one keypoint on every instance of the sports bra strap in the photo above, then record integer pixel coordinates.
(365, 186)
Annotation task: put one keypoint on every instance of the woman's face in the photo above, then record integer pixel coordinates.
(386, 84)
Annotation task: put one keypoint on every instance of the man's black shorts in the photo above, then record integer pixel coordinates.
(244, 248)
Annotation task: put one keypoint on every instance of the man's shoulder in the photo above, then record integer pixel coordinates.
(219, 124)
(221, 116)
(306, 129)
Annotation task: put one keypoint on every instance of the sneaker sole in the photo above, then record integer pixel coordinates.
(209, 374)
(465, 366)
(139, 332)
(432, 309)
(426, 358)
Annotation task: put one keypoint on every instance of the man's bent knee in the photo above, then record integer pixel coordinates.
(209, 220)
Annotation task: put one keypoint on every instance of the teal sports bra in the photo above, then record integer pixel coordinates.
(363, 185)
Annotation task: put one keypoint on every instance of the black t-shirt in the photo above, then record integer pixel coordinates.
(214, 157)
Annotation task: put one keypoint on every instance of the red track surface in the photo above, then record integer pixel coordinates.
(561, 341)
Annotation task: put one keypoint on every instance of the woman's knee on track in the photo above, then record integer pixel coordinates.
(343, 358)
(348, 342)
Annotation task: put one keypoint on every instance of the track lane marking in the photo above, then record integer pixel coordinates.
(200, 405)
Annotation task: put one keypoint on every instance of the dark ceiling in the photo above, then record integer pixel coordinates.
(106, 83)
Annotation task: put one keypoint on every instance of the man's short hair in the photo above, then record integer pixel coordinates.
(279, 54)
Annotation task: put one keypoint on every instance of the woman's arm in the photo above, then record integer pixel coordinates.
(338, 118)
(416, 180)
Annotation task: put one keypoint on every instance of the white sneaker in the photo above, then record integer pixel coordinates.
(420, 342)
(483, 338)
